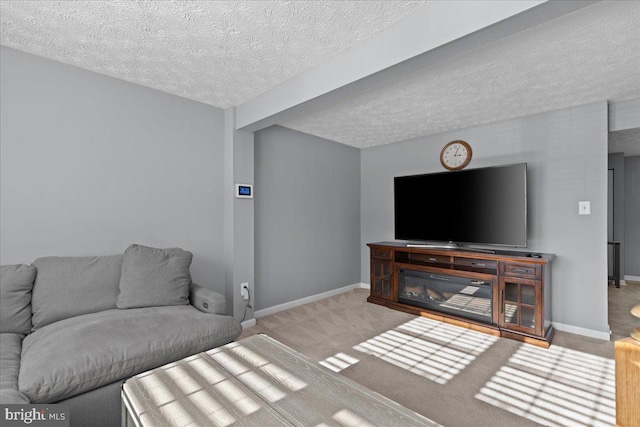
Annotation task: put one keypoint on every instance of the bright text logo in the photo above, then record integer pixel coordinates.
(34, 415)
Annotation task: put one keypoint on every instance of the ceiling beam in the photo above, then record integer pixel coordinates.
(438, 31)
(624, 115)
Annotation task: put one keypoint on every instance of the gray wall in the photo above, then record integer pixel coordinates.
(307, 210)
(239, 217)
(91, 164)
(632, 215)
(557, 180)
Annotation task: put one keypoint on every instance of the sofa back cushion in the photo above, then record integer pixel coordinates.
(154, 277)
(10, 355)
(70, 286)
(16, 283)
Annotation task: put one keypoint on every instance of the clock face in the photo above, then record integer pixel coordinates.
(455, 155)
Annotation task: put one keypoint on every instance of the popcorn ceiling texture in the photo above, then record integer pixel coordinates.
(224, 53)
(590, 55)
(625, 141)
(221, 53)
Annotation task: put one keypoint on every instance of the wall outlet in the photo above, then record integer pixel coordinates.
(244, 290)
(584, 208)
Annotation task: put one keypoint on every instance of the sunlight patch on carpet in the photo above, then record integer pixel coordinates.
(434, 350)
(555, 387)
(338, 362)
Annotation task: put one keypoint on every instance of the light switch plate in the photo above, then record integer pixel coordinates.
(584, 208)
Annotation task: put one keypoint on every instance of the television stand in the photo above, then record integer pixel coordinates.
(502, 293)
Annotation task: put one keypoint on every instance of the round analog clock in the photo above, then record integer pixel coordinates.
(455, 155)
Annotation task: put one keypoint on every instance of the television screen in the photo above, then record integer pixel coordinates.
(482, 206)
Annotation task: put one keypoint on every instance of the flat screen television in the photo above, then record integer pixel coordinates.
(483, 206)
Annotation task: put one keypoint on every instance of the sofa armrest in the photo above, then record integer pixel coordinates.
(206, 300)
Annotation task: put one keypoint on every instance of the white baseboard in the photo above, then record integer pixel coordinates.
(632, 278)
(582, 331)
(287, 305)
(248, 323)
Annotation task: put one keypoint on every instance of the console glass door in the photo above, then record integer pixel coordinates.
(518, 306)
(381, 276)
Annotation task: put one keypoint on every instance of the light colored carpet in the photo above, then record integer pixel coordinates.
(452, 375)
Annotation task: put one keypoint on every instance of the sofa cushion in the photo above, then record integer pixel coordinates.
(207, 300)
(154, 277)
(104, 347)
(12, 396)
(71, 286)
(10, 349)
(16, 283)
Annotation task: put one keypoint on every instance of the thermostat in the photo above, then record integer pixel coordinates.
(244, 191)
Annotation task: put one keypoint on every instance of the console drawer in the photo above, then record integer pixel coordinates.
(528, 271)
(380, 253)
(477, 263)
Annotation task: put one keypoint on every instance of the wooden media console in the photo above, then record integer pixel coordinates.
(502, 293)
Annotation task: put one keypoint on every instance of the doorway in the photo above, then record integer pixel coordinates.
(622, 192)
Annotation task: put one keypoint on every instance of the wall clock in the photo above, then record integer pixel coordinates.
(455, 155)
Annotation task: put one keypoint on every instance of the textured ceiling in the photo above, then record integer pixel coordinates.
(589, 55)
(225, 53)
(625, 141)
(221, 53)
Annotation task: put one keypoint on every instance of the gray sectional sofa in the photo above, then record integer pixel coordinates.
(73, 329)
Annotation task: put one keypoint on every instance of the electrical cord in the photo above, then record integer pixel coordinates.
(248, 305)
